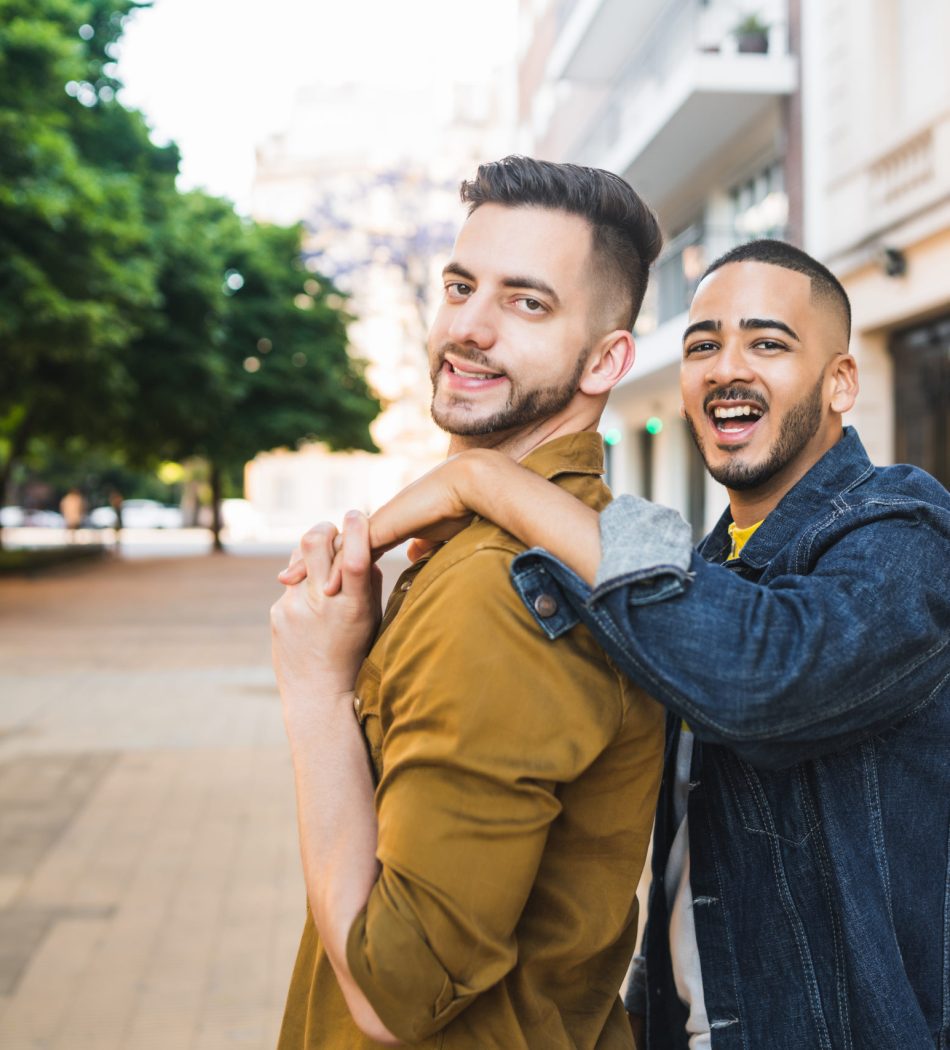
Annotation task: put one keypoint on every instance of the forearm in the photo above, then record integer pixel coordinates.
(534, 510)
(337, 827)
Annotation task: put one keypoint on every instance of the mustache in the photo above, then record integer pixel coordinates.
(735, 393)
(467, 353)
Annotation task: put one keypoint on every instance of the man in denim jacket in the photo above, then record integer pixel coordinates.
(801, 864)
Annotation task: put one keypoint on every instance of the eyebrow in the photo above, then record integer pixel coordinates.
(534, 284)
(746, 323)
(768, 322)
(702, 326)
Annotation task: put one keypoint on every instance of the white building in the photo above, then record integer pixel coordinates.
(703, 121)
(877, 143)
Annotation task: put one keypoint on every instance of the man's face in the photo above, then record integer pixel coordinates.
(755, 375)
(509, 343)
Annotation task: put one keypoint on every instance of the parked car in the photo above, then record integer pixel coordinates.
(138, 514)
(20, 517)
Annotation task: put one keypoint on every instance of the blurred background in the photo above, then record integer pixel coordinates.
(221, 228)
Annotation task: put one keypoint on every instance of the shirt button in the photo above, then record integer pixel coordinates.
(545, 605)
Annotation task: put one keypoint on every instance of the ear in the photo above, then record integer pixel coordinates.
(609, 361)
(844, 378)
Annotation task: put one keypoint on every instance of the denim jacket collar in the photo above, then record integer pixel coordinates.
(842, 467)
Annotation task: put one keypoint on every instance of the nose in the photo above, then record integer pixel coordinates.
(472, 323)
(730, 365)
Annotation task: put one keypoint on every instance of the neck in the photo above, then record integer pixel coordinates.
(752, 505)
(519, 443)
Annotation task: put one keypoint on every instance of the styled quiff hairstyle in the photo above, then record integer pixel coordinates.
(825, 287)
(625, 235)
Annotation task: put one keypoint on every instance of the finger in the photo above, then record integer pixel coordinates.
(316, 546)
(335, 579)
(419, 548)
(295, 571)
(357, 558)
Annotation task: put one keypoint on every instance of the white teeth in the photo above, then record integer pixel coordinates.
(474, 375)
(744, 410)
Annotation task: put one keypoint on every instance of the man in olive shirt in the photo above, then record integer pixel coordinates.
(473, 885)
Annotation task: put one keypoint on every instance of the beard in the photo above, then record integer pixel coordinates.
(523, 408)
(798, 426)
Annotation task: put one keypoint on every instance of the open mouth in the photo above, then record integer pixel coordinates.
(728, 420)
(734, 421)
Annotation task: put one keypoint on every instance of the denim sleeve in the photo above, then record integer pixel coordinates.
(813, 661)
(645, 546)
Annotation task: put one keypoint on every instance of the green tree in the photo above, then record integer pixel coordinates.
(77, 265)
(248, 352)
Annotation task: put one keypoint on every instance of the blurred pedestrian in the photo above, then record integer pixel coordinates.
(72, 507)
(115, 502)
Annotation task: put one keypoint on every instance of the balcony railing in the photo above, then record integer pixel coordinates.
(680, 33)
(681, 265)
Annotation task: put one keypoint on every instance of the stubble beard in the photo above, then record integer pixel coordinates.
(522, 409)
(799, 425)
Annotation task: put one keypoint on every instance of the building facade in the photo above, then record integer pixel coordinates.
(698, 108)
(877, 137)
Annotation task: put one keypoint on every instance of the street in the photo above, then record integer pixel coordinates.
(150, 892)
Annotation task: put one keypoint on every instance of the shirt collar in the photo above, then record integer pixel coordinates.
(842, 467)
(580, 453)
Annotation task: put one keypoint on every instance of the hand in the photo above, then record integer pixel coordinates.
(318, 640)
(429, 511)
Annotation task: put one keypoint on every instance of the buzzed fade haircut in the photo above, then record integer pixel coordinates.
(825, 286)
(624, 232)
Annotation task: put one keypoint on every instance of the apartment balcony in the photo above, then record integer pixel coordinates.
(595, 37)
(673, 281)
(683, 95)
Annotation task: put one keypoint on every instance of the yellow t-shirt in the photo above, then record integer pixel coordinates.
(740, 537)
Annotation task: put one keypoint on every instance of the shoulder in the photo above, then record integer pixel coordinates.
(464, 645)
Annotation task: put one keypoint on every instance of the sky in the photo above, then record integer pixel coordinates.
(219, 76)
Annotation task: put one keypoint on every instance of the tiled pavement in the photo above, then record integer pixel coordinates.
(150, 893)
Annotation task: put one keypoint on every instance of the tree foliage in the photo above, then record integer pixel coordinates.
(133, 316)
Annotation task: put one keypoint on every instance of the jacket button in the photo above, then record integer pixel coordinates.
(545, 605)
(357, 704)
(405, 585)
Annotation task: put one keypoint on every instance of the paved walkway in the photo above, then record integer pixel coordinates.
(150, 894)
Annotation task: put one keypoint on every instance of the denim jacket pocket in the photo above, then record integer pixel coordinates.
(779, 805)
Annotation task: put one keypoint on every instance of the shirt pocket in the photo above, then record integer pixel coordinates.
(366, 707)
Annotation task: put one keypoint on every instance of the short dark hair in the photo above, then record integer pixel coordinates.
(624, 231)
(824, 284)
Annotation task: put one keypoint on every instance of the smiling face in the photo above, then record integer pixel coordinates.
(765, 377)
(511, 340)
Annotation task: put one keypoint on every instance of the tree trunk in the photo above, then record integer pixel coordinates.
(217, 546)
(18, 442)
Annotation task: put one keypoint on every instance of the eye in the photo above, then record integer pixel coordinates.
(705, 347)
(457, 290)
(769, 344)
(532, 306)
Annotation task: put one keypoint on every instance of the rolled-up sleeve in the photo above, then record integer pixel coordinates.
(480, 720)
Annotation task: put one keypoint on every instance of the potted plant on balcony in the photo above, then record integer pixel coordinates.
(752, 35)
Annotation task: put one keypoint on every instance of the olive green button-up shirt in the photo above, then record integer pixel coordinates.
(516, 784)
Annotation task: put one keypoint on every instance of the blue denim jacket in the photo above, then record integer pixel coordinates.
(814, 672)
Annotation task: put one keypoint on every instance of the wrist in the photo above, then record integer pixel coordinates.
(479, 469)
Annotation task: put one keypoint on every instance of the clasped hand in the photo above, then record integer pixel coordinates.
(318, 639)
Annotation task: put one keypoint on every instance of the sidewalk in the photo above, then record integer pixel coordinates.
(150, 892)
